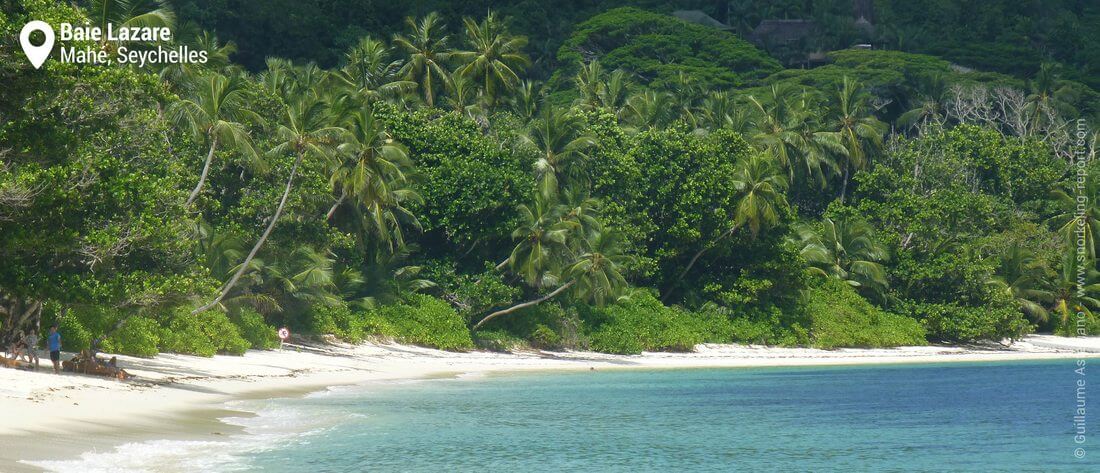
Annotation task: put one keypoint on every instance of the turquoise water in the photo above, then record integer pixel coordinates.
(948, 417)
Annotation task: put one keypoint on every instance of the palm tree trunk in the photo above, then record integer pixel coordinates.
(332, 211)
(205, 172)
(695, 259)
(525, 304)
(844, 185)
(256, 249)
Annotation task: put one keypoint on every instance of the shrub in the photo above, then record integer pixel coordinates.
(335, 319)
(74, 337)
(767, 326)
(252, 327)
(954, 323)
(545, 337)
(139, 336)
(204, 334)
(642, 323)
(840, 317)
(497, 340)
(1071, 326)
(425, 320)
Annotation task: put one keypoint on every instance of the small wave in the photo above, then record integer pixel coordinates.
(275, 425)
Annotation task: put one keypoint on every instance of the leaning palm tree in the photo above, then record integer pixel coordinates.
(859, 132)
(305, 131)
(215, 113)
(495, 59)
(562, 145)
(846, 249)
(426, 46)
(761, 199)
(594, 275)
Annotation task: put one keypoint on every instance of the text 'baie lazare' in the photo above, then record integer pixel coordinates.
(144, 35)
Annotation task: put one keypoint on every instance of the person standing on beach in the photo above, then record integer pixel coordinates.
(53, 343)
(31, 344)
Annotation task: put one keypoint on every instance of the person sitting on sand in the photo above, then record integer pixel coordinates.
(53, 344)
(16, 348)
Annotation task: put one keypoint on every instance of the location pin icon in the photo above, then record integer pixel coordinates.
(37, 54)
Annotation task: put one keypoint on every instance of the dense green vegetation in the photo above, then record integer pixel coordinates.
(668, 185)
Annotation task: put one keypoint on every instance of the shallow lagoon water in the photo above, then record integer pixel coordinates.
(1015, 416)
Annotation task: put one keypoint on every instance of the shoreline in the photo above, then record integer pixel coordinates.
(179, 397)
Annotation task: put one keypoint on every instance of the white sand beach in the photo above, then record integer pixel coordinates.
(48, 416)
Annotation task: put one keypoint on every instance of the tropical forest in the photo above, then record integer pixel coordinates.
(611, 176)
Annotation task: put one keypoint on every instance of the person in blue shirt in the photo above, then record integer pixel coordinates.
(53, 343)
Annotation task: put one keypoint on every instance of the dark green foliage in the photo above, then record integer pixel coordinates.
(642, 323)
(657, 48)
(684, 161)
(839, 317)
(253, 328)
(139, 336)
(425, 320)
(954, 323)
(205, 334)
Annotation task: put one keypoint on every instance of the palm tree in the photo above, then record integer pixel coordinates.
(595, 275)
(496, 56)
(1070, 222)
(760, 204)
(787, 128)
(1048, 96)
(650, 110)
(846, 249)
(426, 46)
(562, 145)
(928, 106)
(588, 81)
(215, 112)
(217, 55)
(859, 132)
(137, 13)
(371, 161)
(1023, 277)
(525, 102)
(542, 241)
(306, 131)
(1070, 296)
(613, 93)
(462, 96)
(369, 72)
(373, 175)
